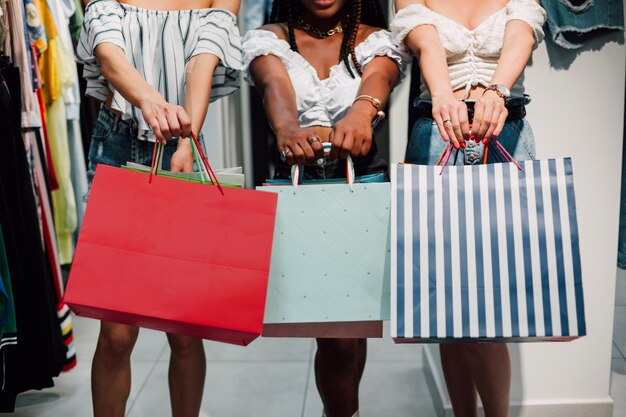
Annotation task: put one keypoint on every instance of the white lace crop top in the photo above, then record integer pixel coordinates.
(159, 44)
(321, 102)
(472, 55)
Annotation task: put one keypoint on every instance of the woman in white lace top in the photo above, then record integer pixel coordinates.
(472, 55)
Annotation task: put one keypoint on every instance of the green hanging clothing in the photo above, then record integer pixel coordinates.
(76, 21)
(8, 327)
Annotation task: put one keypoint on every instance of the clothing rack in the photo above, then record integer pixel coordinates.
(39, 209)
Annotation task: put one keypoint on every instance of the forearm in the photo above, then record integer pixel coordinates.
(199, 78)
(426, 46)
(516, 51)
(378, 84)
(124, 77)
(280, 105)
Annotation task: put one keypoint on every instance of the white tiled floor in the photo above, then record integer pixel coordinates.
(273, 377)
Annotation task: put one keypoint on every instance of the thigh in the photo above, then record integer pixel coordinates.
(518, 139)
(425, 145)
(141, 152)
(108, 147)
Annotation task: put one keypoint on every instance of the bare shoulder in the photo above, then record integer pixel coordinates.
(401, 4)
(367, 30)
(280, 29)
(230, 5)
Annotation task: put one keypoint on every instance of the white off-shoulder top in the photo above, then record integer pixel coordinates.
(472, 55)
(321, 102)
(159, 44)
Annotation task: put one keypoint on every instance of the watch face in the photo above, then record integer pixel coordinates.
(505, 91)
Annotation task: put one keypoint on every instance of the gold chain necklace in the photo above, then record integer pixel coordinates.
(319, 33)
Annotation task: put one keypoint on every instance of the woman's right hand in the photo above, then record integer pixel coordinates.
(450, 114)
(166, 120)
(300, 145)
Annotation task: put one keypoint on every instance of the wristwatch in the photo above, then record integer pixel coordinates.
(500, 90)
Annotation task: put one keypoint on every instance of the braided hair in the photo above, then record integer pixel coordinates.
(368, 12)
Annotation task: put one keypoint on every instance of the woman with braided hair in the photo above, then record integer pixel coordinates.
(325, 69)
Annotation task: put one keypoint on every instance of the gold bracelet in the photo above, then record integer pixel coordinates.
(380, 115)
(372, 100)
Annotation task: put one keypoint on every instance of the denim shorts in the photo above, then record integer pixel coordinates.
(426, 145)
(573, 23)
(114, 142)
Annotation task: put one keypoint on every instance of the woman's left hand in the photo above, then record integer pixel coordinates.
(353, 134)
(182, 160)
(489, 116)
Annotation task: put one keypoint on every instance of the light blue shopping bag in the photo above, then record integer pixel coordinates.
(330, 259)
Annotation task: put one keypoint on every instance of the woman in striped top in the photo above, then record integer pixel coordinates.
(155, 65)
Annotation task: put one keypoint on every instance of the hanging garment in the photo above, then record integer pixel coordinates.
(19, 48)
(76, 21)
(8, 327)
(34, 26)
(62, 11)
(56, 71)
(53, 182)
(50, 244)
(572, 23)
(63, 199)
(256, 13)
(4, 27)
(40, 353)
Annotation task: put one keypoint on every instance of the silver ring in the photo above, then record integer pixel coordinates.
(313, 140)
(447, 121)
(283, 156)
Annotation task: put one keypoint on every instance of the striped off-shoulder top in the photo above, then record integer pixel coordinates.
(159, 44)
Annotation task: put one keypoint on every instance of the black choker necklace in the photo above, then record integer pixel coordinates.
(319, 33)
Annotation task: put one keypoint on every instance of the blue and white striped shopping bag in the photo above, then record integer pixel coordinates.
(485, 252)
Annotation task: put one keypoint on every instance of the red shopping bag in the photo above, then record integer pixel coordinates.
(174, 256)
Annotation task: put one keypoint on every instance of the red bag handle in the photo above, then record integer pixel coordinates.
(157, 154)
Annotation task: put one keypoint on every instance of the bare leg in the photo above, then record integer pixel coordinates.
(186, 375)
(337, 373)
(362, 356)
(490, 366)
(461, 388)
(110, 369)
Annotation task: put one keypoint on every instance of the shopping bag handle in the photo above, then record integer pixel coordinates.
(297, 171)
(500, 153)
(199, 157)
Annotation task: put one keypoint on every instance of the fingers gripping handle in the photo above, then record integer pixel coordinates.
(297, 171)
(199, 157)
(505, 156)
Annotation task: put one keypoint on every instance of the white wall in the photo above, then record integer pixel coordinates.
(578, 111)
